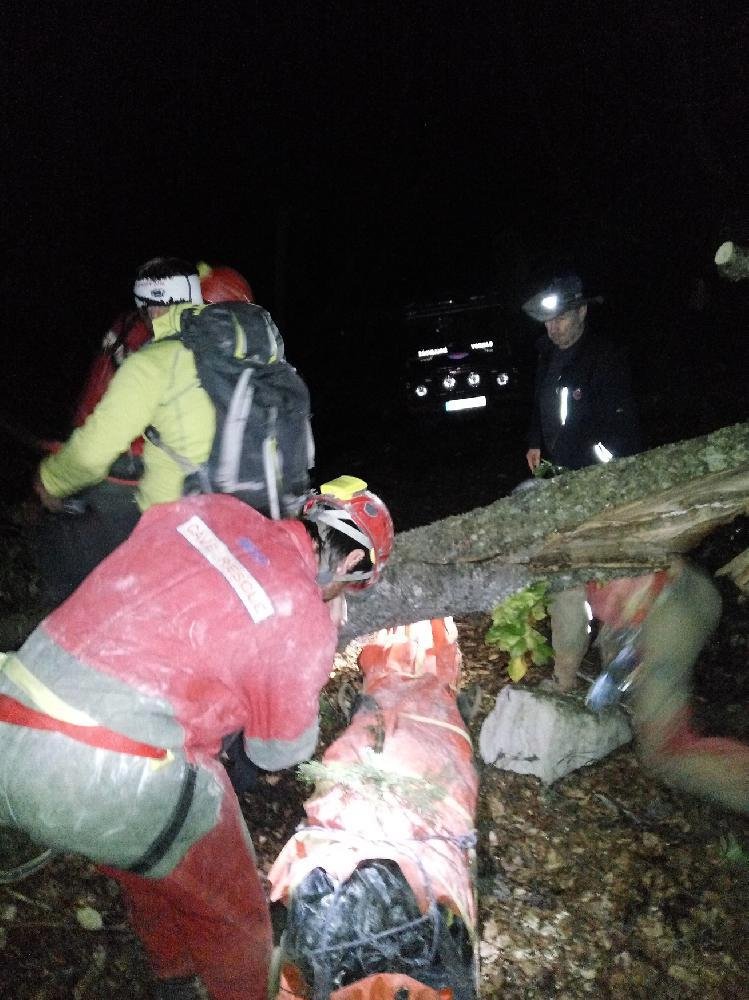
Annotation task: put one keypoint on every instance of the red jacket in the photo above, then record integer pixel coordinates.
(127, 334)
(207, 620)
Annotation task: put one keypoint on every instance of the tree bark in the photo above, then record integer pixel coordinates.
(626, 517)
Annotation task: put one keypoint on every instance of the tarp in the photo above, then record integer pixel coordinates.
(399, 783)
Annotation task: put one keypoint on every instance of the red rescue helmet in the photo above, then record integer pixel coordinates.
(346, 505)
(223, 284)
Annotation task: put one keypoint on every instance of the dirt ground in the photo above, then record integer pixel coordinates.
(604, 885)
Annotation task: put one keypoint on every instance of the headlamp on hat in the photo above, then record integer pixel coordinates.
(550, 302)
(558, 297)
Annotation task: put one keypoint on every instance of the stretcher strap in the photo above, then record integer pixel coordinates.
(17, 714)
(438, 722)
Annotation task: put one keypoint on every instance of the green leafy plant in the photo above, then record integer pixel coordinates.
(513, 630)
(732, 850)
(547, 470)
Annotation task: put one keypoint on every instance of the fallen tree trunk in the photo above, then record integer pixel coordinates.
(626, 517)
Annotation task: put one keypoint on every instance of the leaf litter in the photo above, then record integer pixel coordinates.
(605, 884)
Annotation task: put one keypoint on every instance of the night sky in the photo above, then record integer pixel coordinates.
(350, 158)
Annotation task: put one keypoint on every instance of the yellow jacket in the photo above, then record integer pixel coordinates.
(158, 385)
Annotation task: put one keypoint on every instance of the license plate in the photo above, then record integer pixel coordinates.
(472, 403)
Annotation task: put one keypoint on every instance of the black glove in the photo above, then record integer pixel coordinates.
(243, 774)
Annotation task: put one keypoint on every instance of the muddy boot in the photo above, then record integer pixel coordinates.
(565, 672)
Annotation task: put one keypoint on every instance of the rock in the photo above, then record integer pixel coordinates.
(532, 731)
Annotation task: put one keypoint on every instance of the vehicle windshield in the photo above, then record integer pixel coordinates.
(439, 330)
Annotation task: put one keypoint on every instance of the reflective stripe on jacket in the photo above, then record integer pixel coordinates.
(582, 397)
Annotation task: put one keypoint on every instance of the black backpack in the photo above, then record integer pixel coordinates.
(263, 449)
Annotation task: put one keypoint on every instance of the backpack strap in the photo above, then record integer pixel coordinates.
(270, 467)
(188, 467)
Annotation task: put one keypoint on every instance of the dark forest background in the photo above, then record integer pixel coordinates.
(353, 158)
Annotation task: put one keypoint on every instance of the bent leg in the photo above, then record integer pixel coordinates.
(209, 916)
(714, 768)
(570, 635)
(674, 633)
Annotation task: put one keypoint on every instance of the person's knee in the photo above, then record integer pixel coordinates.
(676, 630)
(710, 776)
(701, 598)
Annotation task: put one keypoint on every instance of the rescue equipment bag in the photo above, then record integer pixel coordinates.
(263, 448)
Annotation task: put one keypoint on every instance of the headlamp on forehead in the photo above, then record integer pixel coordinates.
(167, 291)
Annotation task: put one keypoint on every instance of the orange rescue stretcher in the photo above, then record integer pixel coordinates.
(378, 883)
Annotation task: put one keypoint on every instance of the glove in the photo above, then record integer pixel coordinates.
(243, 774)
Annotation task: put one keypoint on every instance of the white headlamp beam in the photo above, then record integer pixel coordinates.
(550, 302)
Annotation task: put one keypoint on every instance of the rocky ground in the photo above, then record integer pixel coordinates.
(605, 884)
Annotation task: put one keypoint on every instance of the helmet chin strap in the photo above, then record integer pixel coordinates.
(326, 576)
(337, 520)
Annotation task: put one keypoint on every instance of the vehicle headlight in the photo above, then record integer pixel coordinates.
(473, 378)
(503, 378)
(449, 381)
(421, 391)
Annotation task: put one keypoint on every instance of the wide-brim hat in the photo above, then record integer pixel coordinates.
(560, 295)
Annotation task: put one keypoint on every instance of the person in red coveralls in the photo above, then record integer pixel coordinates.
(209, 619)
(652, 630)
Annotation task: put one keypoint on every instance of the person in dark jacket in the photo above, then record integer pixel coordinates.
(583, 410)
(583, 413)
